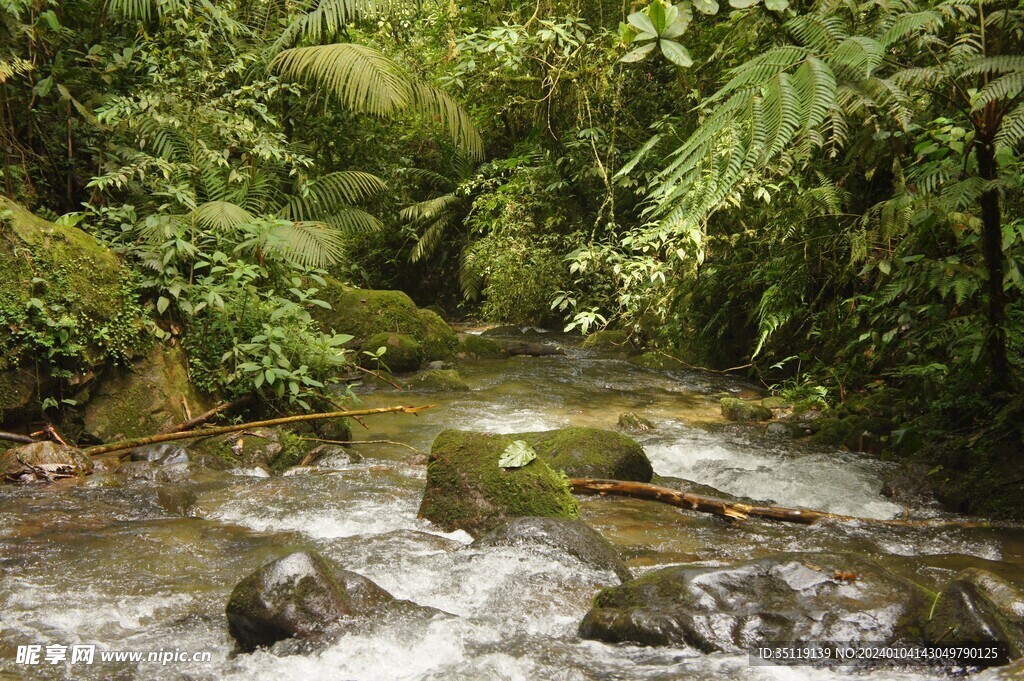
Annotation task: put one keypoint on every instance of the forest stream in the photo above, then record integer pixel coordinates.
(143, 565)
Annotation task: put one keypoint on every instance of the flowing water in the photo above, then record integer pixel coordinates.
(137, 565)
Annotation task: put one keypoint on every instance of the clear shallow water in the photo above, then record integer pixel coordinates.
(118, 564)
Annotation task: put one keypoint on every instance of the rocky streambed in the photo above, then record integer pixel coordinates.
(147, 558)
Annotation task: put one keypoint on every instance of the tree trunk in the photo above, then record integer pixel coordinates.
(995, 266)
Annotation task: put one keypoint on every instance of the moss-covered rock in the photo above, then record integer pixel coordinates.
(19, 395)
(607, 340)
(592, 453)
(333, 429)
(365, 313)
(64, 298)
(788, 597)
(439, 340)
(775, 402)
(143, 399)
(438, 380)
(402, 353)
(977, 606)
(276, 449)
(482, 348)
(631, 422)
(744, 410)
(467, 489)
(40, 460)
(857, 433)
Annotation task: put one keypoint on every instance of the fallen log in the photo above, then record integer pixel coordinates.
(739, 511)
(207, 415)
(14, 437)
(221, 430)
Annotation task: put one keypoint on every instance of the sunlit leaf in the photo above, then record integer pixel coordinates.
(517, 455)
(637, 54)
(675, 53)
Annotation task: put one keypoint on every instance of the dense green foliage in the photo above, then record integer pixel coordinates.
(829, 192)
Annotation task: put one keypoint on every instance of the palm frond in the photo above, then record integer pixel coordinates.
(1011, 132)
(221, 216)
(353, 220)
(311, 244)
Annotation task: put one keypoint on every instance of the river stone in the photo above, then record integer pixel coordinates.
(525, 348)
(439, 380)
(481, 348)
(787, 597)
(631, 422)
(276, 449)
(362, 313)
(302, 596)
(572, 537)
(592, 453)
(142, 400)
(1011, 672)
(162, 453)
(978, 606)
(402, 353)
(439, 341)
(467, 489)
(744, 410)
(39, 460)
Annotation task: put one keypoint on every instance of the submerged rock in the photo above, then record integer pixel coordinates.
(42, 461)
(439, 380)
(514, 348)
(788, 597)
(572, 537)
(302, 596)
(744, 410)
(467, 489)
(978, 606)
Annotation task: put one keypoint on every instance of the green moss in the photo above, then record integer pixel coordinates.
(468, 490)
(293, 451)
(744, 410)
(68, 299)
(403, 353)
(592, 453)
(482, 348)
(607, 340)
(364, 313)
(775, 402)
(439, 340)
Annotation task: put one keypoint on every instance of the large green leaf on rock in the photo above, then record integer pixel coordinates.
(517, 455)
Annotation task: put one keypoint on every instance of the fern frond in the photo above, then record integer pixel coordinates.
(443, 108)
(353, 221)
(1005, 88)
(429, 210)
(221, 216)
(905, 25)
(311, 244)
(821, 33)
(1011, 132)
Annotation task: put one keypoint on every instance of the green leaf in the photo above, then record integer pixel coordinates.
(777, 5)
(637, 54)
(706, 6)
(642, 23)
(161, 304)
(517, 455)
(743, 4)
(676, 53)
(884, 266)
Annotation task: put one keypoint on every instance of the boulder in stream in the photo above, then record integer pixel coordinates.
(592, 453)
(401, 352)
(744, 410)
(481, 348)
(438, 380)
(467, 489)
(787, 597)
(572, 537)
(302, 596)
(43, 461)
(978, 606)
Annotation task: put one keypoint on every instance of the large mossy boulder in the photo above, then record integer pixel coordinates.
(592, 453)
(401, 353)
(977, 606)
(43, 461)
(439, 380)
(302, 596)
(363, 313)
(788, 597)
(467, 489)
(571, 537)
(482, 348)
(60, 289)
(142, 399)
(439, 340)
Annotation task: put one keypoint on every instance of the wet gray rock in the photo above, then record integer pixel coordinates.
(572, 537)
(797, 596)
(163, 453)
(42, 461)
(979, 606)
(301, 596)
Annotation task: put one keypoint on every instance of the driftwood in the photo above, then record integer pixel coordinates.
(739, 511)
(221, 430)
(207, 415)
(14, 437)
